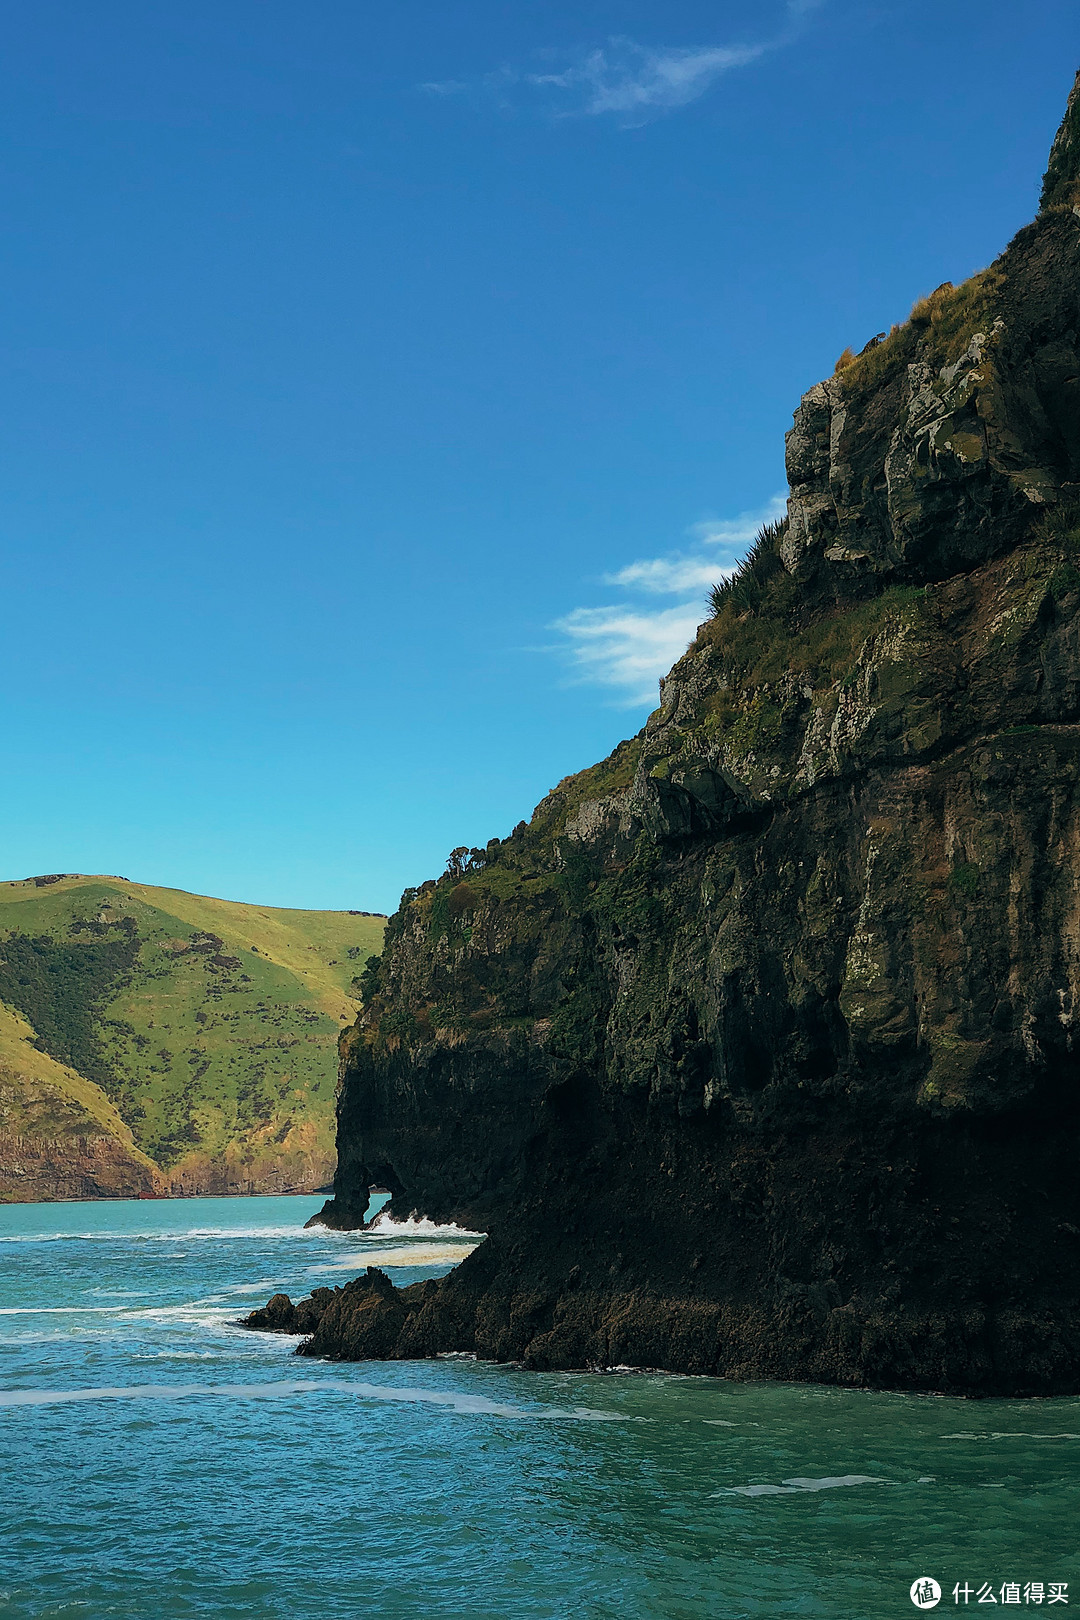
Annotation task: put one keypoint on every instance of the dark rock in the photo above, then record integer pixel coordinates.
(1061, 183)
(367, 1319)
(370, 1319)
(756, 1052)
(341, 1214)
(280, 1315)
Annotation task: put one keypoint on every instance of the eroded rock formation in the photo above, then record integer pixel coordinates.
(755, 1052)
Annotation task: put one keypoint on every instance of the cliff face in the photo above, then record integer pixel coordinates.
(60, 1136)
(755, 1052)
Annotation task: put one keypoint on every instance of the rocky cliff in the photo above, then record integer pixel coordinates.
(60, 1136)
(756, 1051)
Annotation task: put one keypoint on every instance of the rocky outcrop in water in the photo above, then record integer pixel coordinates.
(756, 1051)
(280, 1315)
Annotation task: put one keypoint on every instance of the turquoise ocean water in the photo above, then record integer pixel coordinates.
(159, 1462)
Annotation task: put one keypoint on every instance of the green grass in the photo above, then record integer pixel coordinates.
(45, 1105)
(938, 330)
(49, 1095)
(211, 1026)
(760, 649)
(746, 588)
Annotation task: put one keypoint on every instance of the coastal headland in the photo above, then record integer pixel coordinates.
(755, 1051)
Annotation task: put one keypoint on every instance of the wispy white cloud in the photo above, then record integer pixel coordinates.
(631, 81)
(740, 532)
(627, 78)
(627, 650)
(670, 575)
(626, 647)
(677, 573)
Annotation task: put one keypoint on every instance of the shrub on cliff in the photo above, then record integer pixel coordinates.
(745, 588)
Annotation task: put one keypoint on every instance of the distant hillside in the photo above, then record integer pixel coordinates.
(60, 1136)
(154, 1040)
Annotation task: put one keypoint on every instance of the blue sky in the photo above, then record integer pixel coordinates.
(382, 385)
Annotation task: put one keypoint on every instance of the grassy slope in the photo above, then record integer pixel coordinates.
(53, 1126)
(221, 1057)
(55, 1097)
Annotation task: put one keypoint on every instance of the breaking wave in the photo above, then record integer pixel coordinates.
(196, 1234)
(420, 1226)
(453, 1400)
(1010, 1434)
(792, 1487)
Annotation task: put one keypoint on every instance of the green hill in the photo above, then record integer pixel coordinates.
(154, 1040)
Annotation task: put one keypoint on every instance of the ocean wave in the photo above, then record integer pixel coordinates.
(792, 1487)
(455, 1401)
(197, 1234)
(185, 1355)
(1010, 1434)
(52, 1237)
(202, 1233)
(185, 1315)
(61, 1310)
(58, 1336)
(420, 1226)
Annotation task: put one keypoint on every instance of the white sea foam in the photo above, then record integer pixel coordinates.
(792, 1487)
(186, 1355)
(420, 1226)
(409, 1254)
(51, 1237)
(62, 1310)
(23, 1339)
(199, 1234)
(196, 1234)
(1009, 1434)
(455, 1401)
(181, 1315)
